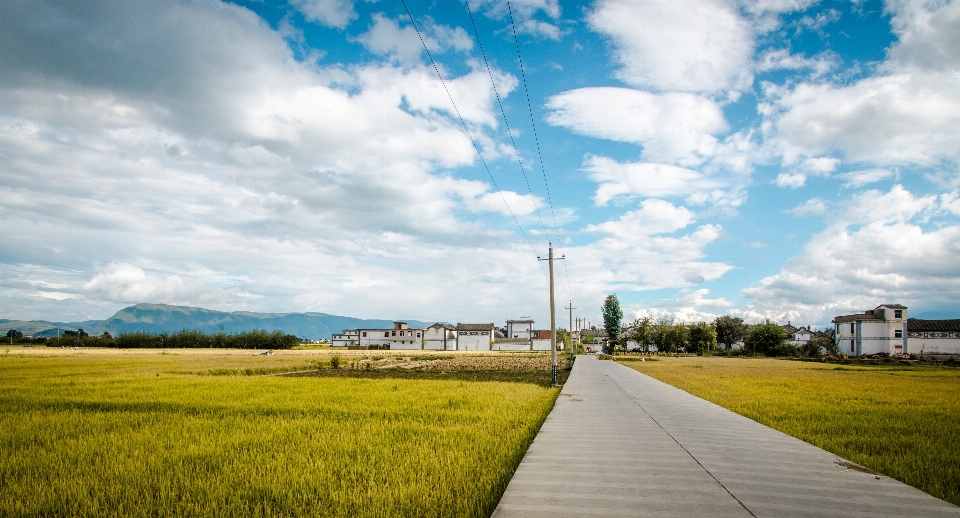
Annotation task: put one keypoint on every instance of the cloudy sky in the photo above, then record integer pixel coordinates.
(784, 159)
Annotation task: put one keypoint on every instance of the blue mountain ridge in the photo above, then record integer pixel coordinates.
(164, 318)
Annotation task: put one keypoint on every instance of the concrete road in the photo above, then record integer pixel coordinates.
(619, 443)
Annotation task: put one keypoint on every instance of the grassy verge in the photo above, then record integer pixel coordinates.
(903, 421)
(140, 434)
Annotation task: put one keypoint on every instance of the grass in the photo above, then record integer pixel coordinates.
(902, 421)
(150, 433)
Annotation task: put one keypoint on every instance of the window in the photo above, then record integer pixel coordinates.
(473, 332)
(364, 333)
(401, 333)
(853, 328)
(851, 346)
(393, 333)
(485, 333)
(386, 334)
(898, 313)
(898, 333)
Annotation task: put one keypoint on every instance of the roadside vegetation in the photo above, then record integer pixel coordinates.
(900, 420)
(143, 433)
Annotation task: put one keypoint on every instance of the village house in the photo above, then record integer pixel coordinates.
(879, 330)
(399, 337)
(522, 328)
(440, 337)
(798, 336)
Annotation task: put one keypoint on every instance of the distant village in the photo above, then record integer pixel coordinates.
(886, 329)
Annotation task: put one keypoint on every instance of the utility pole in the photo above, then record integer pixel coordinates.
(570, 329)
(553, 319)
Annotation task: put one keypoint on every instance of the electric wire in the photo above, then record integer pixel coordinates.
(464, 125)
(503, 115)
(536, 139)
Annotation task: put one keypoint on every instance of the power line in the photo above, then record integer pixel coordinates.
(464, 125)
(536, 139)
(503, 115)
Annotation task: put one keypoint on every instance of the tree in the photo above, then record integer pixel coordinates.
(612, 320)
(677, 336)
(827, 344)
(702, 338)
(13, 333)
(660, 335)
(767, 338)
(729, 330)
(641, 332)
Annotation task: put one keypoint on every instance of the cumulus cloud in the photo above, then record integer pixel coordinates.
(811, 207)
(672, 127)
(524, 14)
(782, 59)
(121, 282)
(332, 13)
(864, 177)
(688, 45)
(643, 179)
(387, 37)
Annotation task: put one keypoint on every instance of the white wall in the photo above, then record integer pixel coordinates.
(541, 344)
(474, 340)
(512, 346)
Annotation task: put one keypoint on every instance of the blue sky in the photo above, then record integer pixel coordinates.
(782, 159)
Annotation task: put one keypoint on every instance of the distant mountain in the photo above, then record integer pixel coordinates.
(162, 318)
(46, 328)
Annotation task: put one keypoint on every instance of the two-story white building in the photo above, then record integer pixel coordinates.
(440, 337)
(522, 328)
(880, 330)
(399, 337)
(474, 337)
(347, 338)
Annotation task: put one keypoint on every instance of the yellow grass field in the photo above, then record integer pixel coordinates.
(141, 433)
(903, 421)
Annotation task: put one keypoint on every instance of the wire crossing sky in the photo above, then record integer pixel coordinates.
(783, 159)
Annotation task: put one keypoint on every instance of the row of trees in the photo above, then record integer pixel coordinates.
(667, 336)
(256, 339)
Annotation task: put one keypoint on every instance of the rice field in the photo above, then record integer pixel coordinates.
(902, 421)
(152, 433)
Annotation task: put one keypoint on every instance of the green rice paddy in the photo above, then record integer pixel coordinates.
(141, 434)
(902, 421)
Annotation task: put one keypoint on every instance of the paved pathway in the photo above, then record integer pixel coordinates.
(619, 443)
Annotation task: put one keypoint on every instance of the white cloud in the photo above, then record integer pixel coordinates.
(523, 14)
(864, 177)
(791, 180)
(654, 217)
(127, 283)
(519, 204)
(386, 37)
(892, 119)
(811, 207)
(672, 127)
(332, 13)
(685, 45)
(928, 34)
(782, 59)
(643, 179)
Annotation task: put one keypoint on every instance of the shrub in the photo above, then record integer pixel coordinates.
(767, 339)
(334, 362)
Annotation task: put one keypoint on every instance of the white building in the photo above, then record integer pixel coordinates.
(474, 337)
(346, 338)
(520, 328)
(440, 337)
(880, 330)
(798, 336)
(400, 337)
(940, 337)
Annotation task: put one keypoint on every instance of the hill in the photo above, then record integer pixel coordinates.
(163, 318)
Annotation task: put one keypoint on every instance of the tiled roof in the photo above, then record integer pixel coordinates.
(857, 316)
(474, 327)
(519, 321)
(445, 326)
(511, 340)
(918, 325)
(892, 306)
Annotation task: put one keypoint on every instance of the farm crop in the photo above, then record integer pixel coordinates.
(154, 434)
(902, 421)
